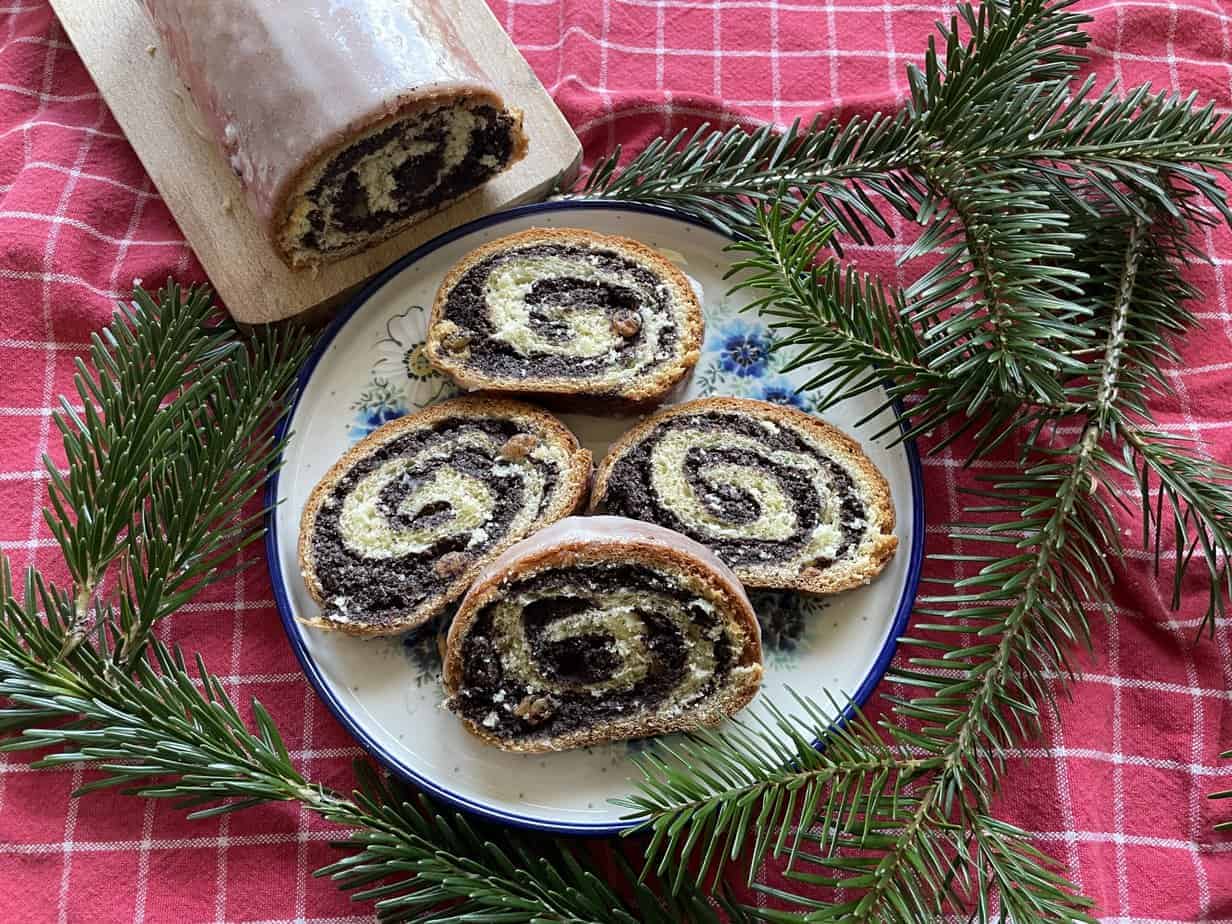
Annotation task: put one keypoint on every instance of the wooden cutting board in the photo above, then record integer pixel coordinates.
(120, 48)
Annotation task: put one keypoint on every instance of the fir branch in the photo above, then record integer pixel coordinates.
(708, 795)
(142, 382)
(1198, 519)
(174, 435)
(908, 848)
(867, 340)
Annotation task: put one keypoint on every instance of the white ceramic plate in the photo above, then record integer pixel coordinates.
(368, 369)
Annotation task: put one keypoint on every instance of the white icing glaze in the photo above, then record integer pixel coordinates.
(281, 83)
(607, 530)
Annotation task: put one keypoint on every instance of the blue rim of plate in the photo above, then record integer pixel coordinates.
(291, 628)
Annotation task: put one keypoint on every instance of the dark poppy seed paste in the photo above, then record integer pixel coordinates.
(415, 508)
(769, 498)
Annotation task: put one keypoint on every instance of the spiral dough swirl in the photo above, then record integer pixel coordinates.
(757, 492)
(555, 310)
(575, 646)
(403, 521)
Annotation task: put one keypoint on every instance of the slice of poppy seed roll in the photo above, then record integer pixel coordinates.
(575, 318)
(597, 629)
(400, 525)
(785, 499)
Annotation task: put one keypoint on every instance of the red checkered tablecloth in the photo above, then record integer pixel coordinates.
(1115, 789)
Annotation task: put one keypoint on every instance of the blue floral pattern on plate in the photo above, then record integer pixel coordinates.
(738, 358)
(402, 380)
(743, 349)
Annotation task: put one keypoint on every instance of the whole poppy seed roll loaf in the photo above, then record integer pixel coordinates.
(345, 120)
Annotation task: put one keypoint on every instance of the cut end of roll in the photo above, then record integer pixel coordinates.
(398, 173)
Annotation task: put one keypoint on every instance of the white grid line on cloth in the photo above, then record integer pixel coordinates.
(836, 104)
(198, 842)
(49, 367)
(88, 228)
(48, 97)
(53, 237)
(1136, 840)
(141, 192)
(147, 815)
(29, 411)
(302, 832)
(1191, 667)
(1133, 554)
(143, 862)
(1114, 664)
(1156, 59)
(303, 754)
(1153, 763)
(12, 24)
(1118, 767)
(224, 823)
(719, 113)
(210, 842)
(36, 475)
(560, 59)
(41, 40)
(25, 127)
(1149, 5)
(776, 83)
(13, 11)
(301, 849)
(660, 24)
(41, 344)
(608, 104)
(29, 545)
(609, 119)
(646, 50)
(1065, 797)
(789, 7)
(1190, 664)
(786, 5)
(1118, 759)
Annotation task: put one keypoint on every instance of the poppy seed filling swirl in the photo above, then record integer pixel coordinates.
(384, 529)
(411, 166)
(752, 490)
(559, 310)
(563, 649)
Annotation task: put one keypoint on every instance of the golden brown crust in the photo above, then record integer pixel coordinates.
(706, 580)
(853, 572)
(307, 175)
(572, 393)
(576, 480)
